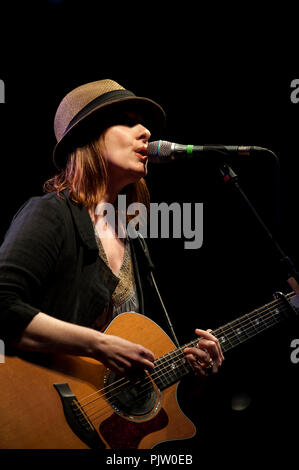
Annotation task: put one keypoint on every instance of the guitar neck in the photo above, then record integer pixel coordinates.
(171, 367)
(251, 324)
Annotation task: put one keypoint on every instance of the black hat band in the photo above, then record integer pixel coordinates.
(100, 100)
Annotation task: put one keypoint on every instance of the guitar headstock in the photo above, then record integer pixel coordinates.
(294, 299)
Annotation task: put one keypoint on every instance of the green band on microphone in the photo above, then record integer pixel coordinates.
(189, 149)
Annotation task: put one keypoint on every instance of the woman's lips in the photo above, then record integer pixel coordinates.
(141, 153)
(141, 157)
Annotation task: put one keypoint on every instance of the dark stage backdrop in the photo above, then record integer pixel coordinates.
(236, 270)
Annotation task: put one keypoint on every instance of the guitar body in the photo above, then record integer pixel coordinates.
(32, 412)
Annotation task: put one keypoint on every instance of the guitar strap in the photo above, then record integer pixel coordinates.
(150, 268)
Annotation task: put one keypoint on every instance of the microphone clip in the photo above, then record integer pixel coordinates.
(228, 174)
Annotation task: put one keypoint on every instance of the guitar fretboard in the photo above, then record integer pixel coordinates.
(251, 324)
(171, 367)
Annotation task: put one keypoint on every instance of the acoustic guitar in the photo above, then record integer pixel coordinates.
(68, 402)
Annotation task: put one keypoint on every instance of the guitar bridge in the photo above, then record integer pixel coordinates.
(77, 418)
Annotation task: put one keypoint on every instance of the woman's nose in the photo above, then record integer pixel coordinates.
(144, 133)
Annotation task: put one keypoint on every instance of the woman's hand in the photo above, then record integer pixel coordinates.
(123, 357)
(207, 356)
(50, 335)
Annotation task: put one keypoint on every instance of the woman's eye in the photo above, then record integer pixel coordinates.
(130, 122)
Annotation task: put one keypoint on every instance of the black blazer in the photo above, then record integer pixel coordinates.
(49, 262)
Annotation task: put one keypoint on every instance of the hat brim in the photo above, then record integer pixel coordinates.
(94, 121)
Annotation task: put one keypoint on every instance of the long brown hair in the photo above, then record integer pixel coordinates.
(85, 176)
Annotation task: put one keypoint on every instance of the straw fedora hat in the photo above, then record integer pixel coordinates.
(89, 107)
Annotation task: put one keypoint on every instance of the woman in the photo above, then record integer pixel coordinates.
(61, 279)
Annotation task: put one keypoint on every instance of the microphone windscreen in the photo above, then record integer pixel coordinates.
(159, 148)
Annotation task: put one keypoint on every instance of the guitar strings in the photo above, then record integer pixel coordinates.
(102, 409)
(247, 319)
(145, 390)
(179, 358)
(123, 381)
(251, 315)
(179, 354)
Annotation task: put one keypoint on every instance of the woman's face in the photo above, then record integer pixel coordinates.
(124, 147)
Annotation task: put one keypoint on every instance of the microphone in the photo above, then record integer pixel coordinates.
(161, 151)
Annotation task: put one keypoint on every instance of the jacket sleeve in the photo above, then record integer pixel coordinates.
(30, 249)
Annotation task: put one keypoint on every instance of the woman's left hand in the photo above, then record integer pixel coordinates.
(207, 356)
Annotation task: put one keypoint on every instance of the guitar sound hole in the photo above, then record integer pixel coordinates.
(131, 397)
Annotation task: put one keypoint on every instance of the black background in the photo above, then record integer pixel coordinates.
(219, 81)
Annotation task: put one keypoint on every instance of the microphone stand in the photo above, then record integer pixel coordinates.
(229, 176)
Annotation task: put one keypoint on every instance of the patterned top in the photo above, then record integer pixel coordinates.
(124, 297)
